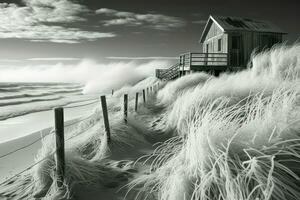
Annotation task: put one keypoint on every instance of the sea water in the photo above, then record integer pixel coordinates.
(27, 107)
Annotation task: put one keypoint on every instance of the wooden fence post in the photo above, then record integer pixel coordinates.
(112, 92)
(147, 89)
(60, 145)
(144, 96)
(125, 107)
(136, 101)
(105, 117)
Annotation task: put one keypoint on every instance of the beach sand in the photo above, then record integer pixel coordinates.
(23, 130)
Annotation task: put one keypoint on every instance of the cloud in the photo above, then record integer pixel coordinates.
(202, 21)
(97, 77)
(9, 60)
(57, 34)
(35, 20)
(154, 21)
(142, 58)
(53, 59)
(56, 10)
(68, 41)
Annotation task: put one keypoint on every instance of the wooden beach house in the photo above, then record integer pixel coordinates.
(227, 45)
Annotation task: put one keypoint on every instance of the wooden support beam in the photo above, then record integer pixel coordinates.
(105, 118)
(144, 96)
(125, 107)
(60, 145)
(136, 101)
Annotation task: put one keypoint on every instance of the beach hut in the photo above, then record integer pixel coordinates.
(238, 38)
(227, 45)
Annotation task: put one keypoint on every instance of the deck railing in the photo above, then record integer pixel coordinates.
(190, 59)
(194, 61)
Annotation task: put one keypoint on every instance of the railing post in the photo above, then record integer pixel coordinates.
(144, 96)
(136, 101)
(182, 73)
(125, 107)
(206, 59)
(60, 145)
(180, 60)
(191, 58)
(178, 73)
(105, 117)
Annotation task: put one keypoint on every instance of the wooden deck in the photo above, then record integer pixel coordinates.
(208, 62)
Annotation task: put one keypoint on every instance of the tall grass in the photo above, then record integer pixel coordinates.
(238, 136)
(176, 88)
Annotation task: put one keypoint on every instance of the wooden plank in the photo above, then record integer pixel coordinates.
(209, 67)
(210, 61)
(209, 57)
(105, 117)
(60, 145)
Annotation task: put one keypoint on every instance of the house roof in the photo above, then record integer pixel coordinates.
(228, 24)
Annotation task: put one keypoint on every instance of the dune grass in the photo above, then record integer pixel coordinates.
(238, 136)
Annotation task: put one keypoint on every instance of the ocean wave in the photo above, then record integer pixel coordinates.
(10, 103)
(38, 106)
(18, 96)
(15, 87)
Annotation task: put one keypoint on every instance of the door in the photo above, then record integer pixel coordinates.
(237, 52)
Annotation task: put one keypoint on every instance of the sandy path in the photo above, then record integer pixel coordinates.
(119, 190)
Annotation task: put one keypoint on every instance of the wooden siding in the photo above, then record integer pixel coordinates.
(251, 41)
(213, 44)
(215, 35)
(214, 30)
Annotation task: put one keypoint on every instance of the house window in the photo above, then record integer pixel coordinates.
(219, 44)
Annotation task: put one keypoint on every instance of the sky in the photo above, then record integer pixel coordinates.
(34, 32)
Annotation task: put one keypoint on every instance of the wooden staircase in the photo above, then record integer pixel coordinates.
(170, 73)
